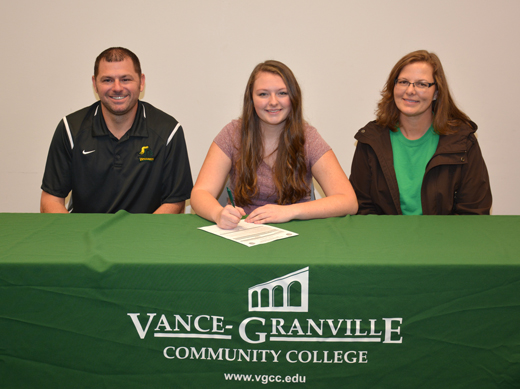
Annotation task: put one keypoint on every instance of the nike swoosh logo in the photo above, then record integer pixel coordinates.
(88, 152)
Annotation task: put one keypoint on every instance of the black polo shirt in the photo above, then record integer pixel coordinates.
(147, 167)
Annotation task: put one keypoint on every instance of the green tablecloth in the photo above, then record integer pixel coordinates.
(138, 301)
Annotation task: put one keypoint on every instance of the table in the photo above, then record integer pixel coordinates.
(139, 301)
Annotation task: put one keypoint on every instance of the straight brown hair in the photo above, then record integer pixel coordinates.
(446, 116)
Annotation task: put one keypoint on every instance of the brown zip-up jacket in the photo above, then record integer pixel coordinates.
(456, 180)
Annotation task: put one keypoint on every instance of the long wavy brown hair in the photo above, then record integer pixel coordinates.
(446, 116)
(289, 169)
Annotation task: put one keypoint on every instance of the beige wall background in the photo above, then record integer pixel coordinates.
(198, 54)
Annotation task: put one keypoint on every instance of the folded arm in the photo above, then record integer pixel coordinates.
(340, 198)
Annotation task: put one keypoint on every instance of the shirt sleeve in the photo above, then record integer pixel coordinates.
(57, 178)
(362, 180)
(474, 194)
(228, 139)
(177, 180)
(315, 145)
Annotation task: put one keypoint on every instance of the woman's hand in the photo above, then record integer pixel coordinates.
(229, 217)
(271, 213)
(340, 198)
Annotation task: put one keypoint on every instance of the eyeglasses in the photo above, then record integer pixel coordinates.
(419, 85)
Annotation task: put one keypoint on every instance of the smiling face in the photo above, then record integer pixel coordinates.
(271, 100)
(118, 87)
(412, 102)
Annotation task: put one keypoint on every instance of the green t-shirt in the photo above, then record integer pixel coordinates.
(410, 160)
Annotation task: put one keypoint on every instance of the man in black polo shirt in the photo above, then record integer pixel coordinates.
(120, 153)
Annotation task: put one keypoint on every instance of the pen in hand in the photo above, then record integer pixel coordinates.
(230, 195)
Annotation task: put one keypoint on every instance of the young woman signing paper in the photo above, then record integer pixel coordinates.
(271, 155)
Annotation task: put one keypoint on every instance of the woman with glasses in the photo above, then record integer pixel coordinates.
(420, 155)
(271, 155)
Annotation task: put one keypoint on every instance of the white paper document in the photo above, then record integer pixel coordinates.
(250, 234)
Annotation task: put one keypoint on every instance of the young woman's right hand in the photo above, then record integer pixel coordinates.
(229, 217)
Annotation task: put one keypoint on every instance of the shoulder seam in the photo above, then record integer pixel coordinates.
(172, 134)
(68, 132)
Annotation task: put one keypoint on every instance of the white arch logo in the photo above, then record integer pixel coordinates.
(289, 293)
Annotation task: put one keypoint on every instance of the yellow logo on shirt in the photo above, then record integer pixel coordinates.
(146, 154)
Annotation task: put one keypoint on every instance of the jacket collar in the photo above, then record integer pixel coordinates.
(378, 137)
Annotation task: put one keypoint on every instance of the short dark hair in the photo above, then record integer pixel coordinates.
(117, 54)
